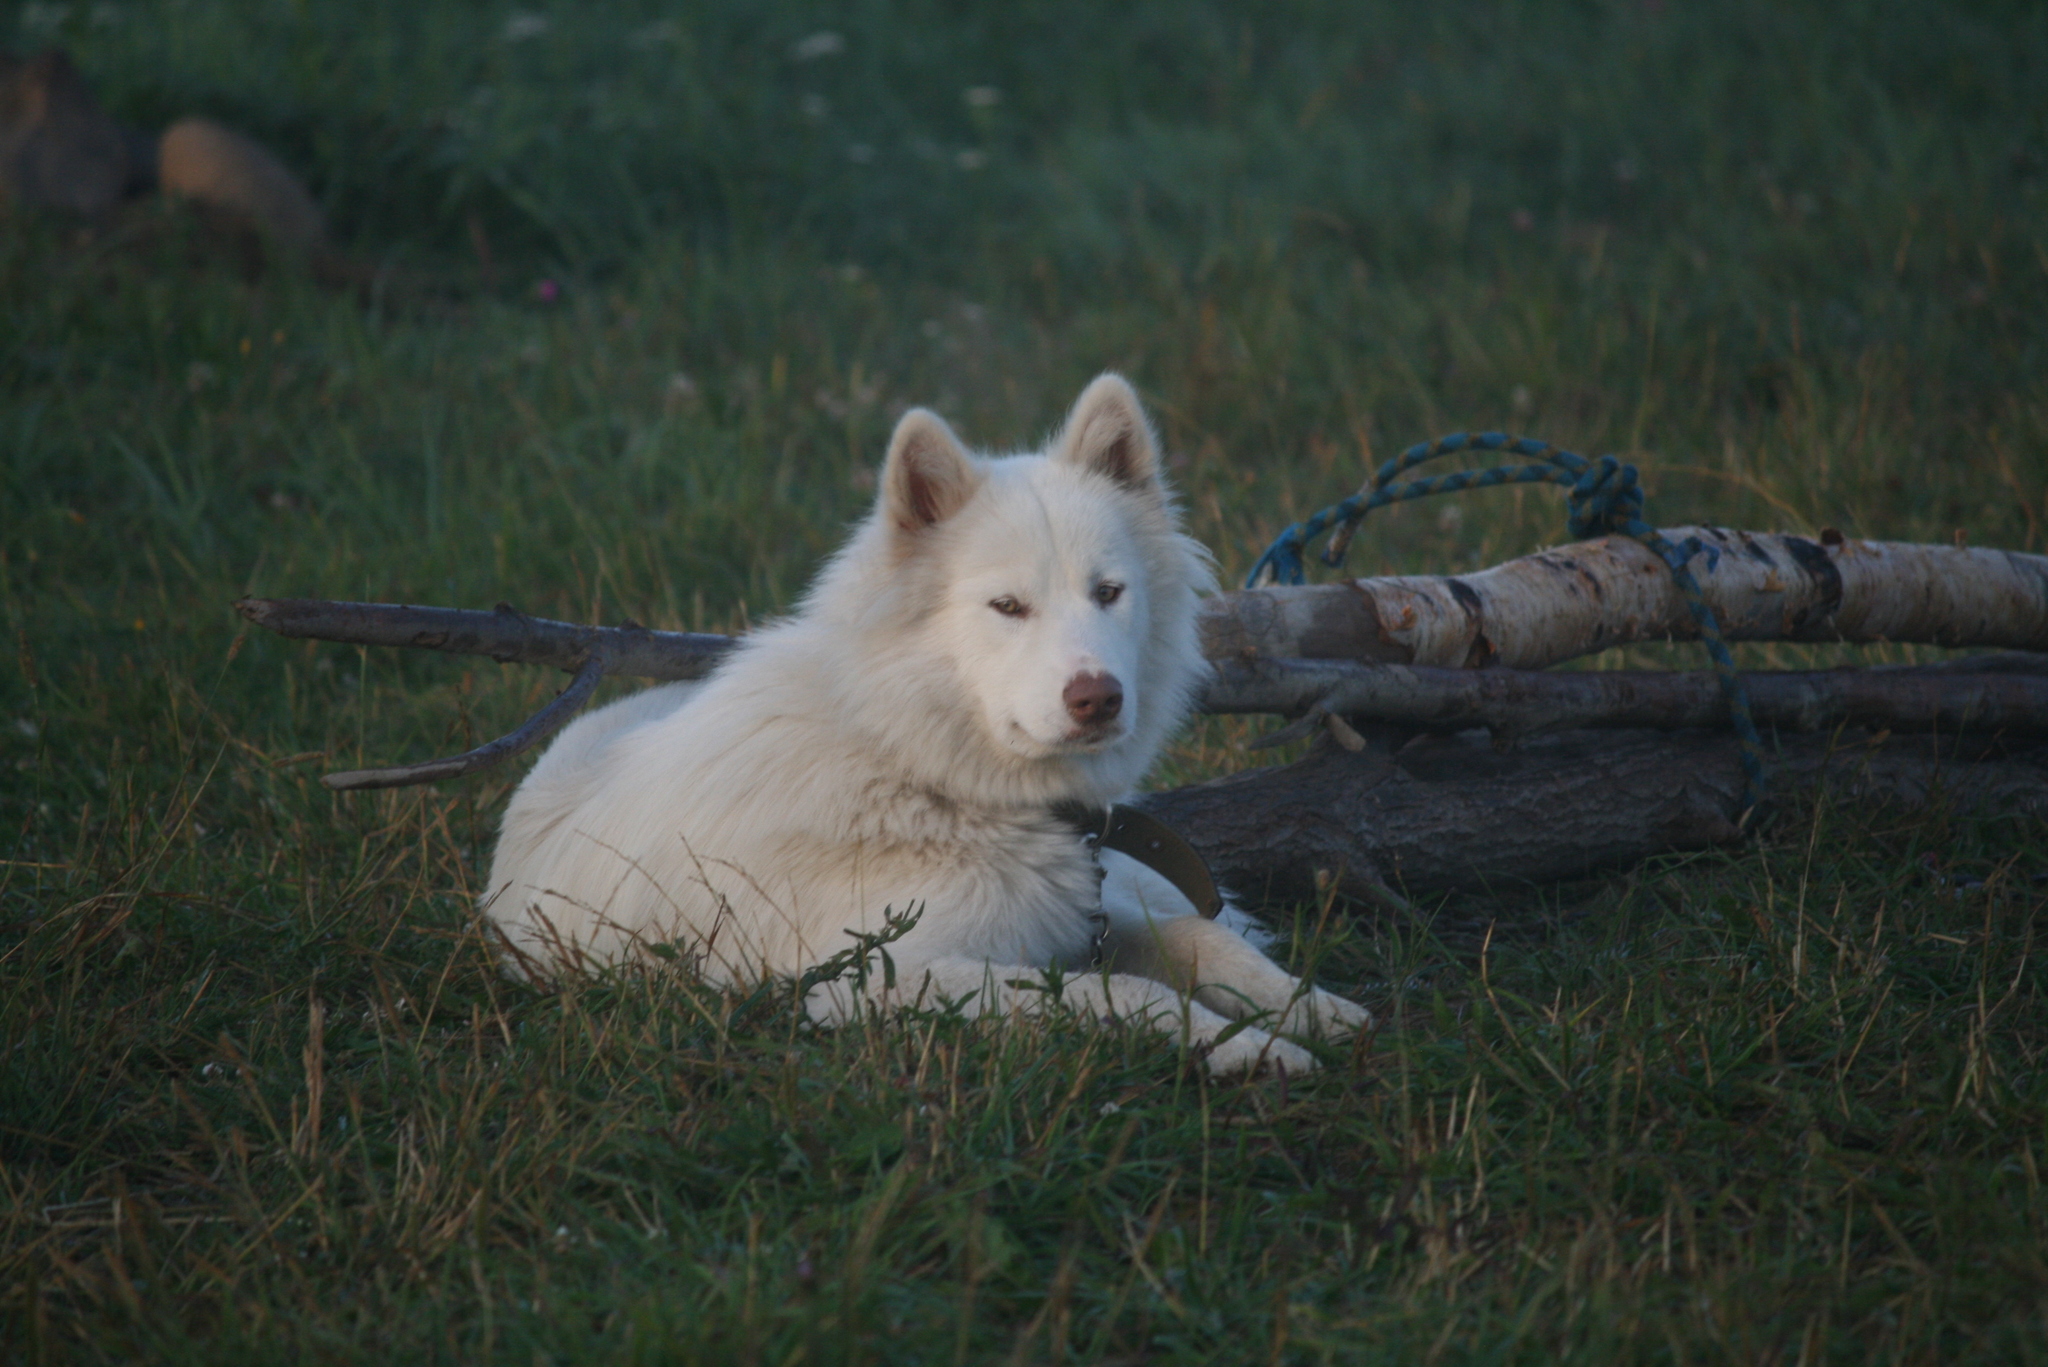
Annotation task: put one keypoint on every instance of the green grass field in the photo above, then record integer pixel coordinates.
(265, 1098)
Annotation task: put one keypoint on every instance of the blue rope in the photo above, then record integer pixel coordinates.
(1606, 499)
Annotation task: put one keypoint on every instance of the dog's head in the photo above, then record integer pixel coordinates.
(1056, 587)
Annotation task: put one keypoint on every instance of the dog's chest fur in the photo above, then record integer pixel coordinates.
(1017, 879)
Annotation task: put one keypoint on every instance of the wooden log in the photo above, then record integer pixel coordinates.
(1541, 609)
(1450, 814)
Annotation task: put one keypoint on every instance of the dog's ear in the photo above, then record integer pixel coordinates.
(1107, 433)
(928, 476)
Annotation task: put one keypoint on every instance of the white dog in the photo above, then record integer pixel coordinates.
(999, 636)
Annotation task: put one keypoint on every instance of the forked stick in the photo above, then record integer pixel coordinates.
(531, 732)
(504, 634)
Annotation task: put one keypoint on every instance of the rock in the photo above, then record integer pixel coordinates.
(215, 166)
(58, 148)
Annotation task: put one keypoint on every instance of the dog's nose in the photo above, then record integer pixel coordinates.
(1093, 699)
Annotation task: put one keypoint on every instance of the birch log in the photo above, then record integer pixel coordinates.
(1559, 604)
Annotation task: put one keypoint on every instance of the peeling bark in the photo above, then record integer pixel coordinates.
(1574, 600)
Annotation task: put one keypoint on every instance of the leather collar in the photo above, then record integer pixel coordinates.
(1151, 842)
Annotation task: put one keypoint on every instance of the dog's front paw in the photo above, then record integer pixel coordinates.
(1325, 1014)
(1253, 1051)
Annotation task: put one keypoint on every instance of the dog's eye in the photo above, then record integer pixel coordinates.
(1108, 591)
(1008, 606)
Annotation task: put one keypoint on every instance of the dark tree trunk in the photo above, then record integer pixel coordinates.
(1453, 813)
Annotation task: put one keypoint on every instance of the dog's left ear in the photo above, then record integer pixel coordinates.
(1107, 433)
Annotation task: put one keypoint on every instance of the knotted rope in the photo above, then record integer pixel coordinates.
(1605, 499)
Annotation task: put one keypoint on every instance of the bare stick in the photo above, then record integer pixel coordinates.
(534, 730)
(2008, 693)
(504, 634)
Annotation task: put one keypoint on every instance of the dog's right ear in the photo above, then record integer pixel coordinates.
(929, 476)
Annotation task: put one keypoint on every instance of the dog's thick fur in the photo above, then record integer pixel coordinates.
(899, 742)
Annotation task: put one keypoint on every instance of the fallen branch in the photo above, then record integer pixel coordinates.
(504, 634)
(1454, 813)
(2002, 693)
(531, 732)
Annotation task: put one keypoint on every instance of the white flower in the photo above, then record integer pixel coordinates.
(522, 26)
(1108, 1108)
(823, 43)
(44, 18)
(660, 31)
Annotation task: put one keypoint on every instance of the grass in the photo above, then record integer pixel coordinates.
(263, 1095)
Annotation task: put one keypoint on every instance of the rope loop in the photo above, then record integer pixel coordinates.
(1604, 498)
